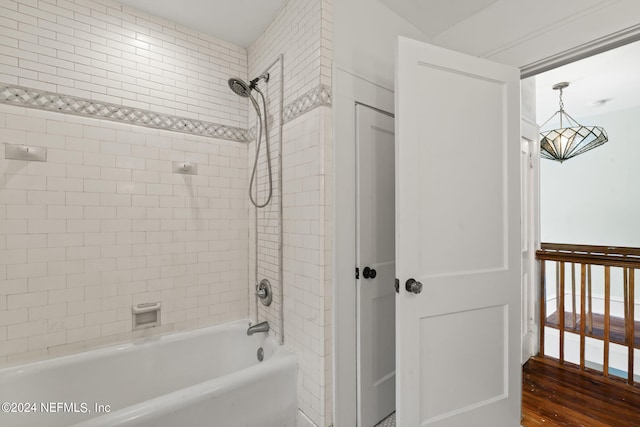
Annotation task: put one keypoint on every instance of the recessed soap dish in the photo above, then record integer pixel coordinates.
(146, 315)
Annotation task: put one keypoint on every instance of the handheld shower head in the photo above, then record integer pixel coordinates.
(242, 88)
(239, 87)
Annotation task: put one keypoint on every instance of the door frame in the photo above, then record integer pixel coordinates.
(348, 89)
(529, 132)
(368, 399)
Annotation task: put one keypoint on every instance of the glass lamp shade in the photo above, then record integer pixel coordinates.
(564, 143)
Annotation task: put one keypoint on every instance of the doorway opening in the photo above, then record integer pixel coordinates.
(587, 207)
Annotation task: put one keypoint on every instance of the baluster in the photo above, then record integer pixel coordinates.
(631, 324)
(543, 305)
(625, 289)
(558, 290)
(573, 294)
(590, 301)
(561, 314)
(583, 314)
(607, 319)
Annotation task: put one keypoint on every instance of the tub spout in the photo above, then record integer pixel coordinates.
(258, 327)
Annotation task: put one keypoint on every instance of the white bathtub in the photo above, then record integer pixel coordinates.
(205, 377)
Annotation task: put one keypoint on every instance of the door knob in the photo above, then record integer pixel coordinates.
(413, 286)
(369, 273)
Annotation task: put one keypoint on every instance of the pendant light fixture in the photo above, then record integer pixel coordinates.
(564, 143)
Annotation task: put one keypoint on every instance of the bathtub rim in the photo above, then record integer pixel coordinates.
(128, 346)
(281, 360)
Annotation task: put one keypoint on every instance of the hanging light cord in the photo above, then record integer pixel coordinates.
(561, 103)
(572, 122)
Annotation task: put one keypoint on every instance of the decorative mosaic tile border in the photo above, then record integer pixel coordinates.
(316, 97)
(33, 98)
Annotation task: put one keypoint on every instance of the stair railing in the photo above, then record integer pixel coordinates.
(586, 320)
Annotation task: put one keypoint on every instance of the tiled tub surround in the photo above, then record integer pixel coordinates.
(105, 224)
(107, 199)
(267, 220)
(302, 32)
(181, 379)
(307, 266)
(104, 51)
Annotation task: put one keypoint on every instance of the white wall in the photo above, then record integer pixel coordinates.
(593, 198)
(365, 33)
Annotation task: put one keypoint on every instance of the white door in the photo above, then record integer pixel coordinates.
(376, 260)
(458, 236)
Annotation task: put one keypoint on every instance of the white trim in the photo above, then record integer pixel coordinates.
(616, 304)
(529, 132)
(617, 353)
(529, 129)
(599, 45)
(303, 421)
(348, 90)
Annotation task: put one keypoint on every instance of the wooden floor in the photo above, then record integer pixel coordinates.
(553, 395)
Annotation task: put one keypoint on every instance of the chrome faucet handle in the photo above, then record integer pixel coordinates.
(264, 292)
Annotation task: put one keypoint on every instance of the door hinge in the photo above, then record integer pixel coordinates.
(397, 286)
(357, 273)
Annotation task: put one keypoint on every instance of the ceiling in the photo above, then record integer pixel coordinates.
(611, 76)
(507, 31)
(519, 33)
(240, 22)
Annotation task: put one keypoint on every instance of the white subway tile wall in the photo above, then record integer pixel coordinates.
(307, 265)
(104, 51)
(104, 224)
(302, 33)
(326, 139)
(268, 218)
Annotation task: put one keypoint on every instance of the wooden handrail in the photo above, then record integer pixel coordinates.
(589, 258)
(625, 258)
(591, 249)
